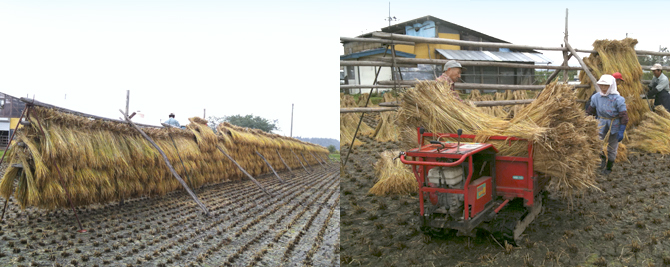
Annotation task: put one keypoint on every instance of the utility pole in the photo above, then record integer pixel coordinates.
(127, 100)
(204, 113)
(291, 121)
(389, 18)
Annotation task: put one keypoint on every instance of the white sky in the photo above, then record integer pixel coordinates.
(230, 58)
(539, 23)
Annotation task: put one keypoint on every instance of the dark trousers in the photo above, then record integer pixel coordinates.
(662, 98)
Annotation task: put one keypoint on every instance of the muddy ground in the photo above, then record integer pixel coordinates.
(298, 225)
(625, 224)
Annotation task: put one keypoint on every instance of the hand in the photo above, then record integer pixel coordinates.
(622, 128)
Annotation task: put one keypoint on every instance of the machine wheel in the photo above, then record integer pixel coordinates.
(506, 221)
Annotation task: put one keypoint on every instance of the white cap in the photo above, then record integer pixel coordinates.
(657, 67)
(451, 64)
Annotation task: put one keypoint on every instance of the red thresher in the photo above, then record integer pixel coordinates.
(469, 186)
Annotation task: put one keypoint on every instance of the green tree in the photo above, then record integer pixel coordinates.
(254, 122)
(331, 149)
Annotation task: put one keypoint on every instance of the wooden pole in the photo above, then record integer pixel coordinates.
(127, 101)
(353, 140)
(372, 63)
(581, 62)
(351, 86)
(245, 172)
(282, 161)
(306, 162)
(486, 86)
(466, 63)
(415, 39)
(565, 53)
(372, 40)
(268, 163)
(40, 104)
(352, 110)
(167, 162)
(296, 157)
(565, 63)
(317, 160)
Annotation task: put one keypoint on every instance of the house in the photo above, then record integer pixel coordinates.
(432, 27)
(10, 112)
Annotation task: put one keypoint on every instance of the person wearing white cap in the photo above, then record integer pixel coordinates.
(172, 121)
(659, 88)
(612, 118)
(452, 73)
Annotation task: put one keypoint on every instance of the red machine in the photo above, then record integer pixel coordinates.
(481, 189)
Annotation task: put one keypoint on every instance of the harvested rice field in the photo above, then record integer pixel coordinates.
(297, 226)
(627, 224)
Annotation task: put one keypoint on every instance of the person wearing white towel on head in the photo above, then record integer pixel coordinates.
(610, 107)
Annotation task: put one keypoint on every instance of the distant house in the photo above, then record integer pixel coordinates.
(10, 112)
(433, 27)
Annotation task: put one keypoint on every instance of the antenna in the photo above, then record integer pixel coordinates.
(389, 18)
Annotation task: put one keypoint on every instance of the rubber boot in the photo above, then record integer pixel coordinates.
(603, 162)
(608, 169)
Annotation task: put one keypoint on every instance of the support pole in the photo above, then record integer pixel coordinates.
(268, 163)
(282, 161)
(353, 140)
(291, 135)
(317, 160)
(565, 53)
(127, 101)
(555, 73)
(296, 157)
(13, 133)
(10, 195)
(306, 162)
(245, 172)
(167, 162)
(169, 126)
(594, 81)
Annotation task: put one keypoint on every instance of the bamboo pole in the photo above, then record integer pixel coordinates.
(167, 162)
(244, 171)
(268, 163)
(282, 161)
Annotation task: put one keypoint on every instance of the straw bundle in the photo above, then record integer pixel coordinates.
(564, 140)
(387, 130)
(394, 176)
(652, 133)
(349, 123)
(617, 56)
(103, 161)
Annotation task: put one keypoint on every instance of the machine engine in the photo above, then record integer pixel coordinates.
(447, 177)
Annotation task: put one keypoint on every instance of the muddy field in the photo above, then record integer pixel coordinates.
(627, 224)
(298, 225)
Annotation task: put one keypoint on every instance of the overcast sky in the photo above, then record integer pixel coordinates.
(242, 57)
(539, 23)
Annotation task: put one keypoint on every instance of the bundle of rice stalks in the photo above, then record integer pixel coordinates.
(565, 141)
(390, 96)
(387, 130)
(349, 123)
(394, 177)
(363, 99)
(103, 161)
(652, 133)
(617, 56)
